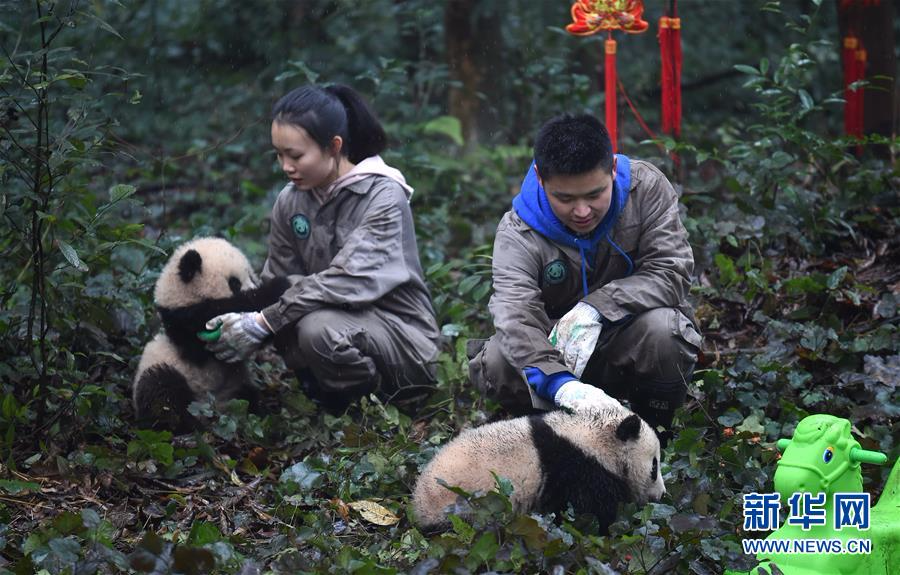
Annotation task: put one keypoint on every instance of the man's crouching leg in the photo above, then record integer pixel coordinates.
(649, 360)
(496, 379)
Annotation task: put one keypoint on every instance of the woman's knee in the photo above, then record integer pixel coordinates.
(317, 333)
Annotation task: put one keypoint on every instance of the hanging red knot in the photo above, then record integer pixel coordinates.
(670, 58)
(592, 16)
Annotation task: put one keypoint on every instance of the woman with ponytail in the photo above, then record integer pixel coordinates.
(358, 316)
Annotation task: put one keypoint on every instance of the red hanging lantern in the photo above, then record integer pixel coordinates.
(592, 16)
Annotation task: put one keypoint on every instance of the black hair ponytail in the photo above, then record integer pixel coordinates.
(365, 136)
(334, 111)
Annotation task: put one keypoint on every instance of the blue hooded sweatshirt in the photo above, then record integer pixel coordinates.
(532, 205)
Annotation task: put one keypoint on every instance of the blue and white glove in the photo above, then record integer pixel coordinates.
(579, 396)
(575, 336)
(242, 335)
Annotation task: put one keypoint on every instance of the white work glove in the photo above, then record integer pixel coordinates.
(575, 336)
(242, 335)
(579, 396)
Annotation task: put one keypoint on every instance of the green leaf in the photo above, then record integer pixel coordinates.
(727, 273)
(530, 531)
(76, 80)
(448, 126)
(102, 23)
(730, 418)
(463, 530)
(15, 487)
(751, 424)
(805, 99)
(504, 485)
(781, 159)
(121, 191)
(298, 68)
(163, 453)
(804, 284)
(836, 277)
(466, 285)
(301, 474)
(746, 69)
(485, 548)
(71, 256)
(203, 532)
(65, 550)
(90, 518)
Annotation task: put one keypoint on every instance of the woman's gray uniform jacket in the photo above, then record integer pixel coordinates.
(355, 252)
(537, 281)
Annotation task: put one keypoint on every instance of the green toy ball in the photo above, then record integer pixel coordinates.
(211, 335)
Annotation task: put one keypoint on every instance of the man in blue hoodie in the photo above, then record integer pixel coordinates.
(591, 271)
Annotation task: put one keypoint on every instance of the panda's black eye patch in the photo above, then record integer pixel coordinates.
(234, 284)
(653, 470)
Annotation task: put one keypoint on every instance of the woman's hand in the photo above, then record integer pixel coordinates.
(242, 335)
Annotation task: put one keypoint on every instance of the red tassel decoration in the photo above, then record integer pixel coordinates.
(848, 56)
(666, 74)
(860, 74)
(670, 57)
(592, 16)
(610, 87)
(675, 39)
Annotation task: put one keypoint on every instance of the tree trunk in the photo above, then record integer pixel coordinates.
(464, 70)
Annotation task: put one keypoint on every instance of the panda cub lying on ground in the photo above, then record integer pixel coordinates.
(591, 459)
(204, 278)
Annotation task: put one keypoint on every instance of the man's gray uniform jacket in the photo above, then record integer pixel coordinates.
(531, 293)
(357, 251)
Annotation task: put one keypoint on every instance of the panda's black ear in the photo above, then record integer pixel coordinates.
(629, 428)
(189, 266)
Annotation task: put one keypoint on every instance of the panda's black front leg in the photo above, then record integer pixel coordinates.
(183, 324)
(162, 398)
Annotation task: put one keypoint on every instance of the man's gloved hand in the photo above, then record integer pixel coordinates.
(575, 336)
(579, 396)
(242, 335)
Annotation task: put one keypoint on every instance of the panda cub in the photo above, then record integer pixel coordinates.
(591, 459)
(204, 278)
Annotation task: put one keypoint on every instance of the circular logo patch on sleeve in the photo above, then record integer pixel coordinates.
(555, 272)
(300, 225)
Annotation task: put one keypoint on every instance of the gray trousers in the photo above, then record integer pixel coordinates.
(647, 360)
(340, 355)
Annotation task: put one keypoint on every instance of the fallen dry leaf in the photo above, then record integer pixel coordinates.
(374, 513)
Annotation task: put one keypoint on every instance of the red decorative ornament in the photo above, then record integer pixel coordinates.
(853, 98)
(592, 16)
(670, 56)
(853, 58)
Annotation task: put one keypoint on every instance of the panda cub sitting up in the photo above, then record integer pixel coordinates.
(591, 459)
(204, 278)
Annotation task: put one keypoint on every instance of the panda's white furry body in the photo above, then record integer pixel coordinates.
(223, 380)
(203, 278)
(593, 460)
